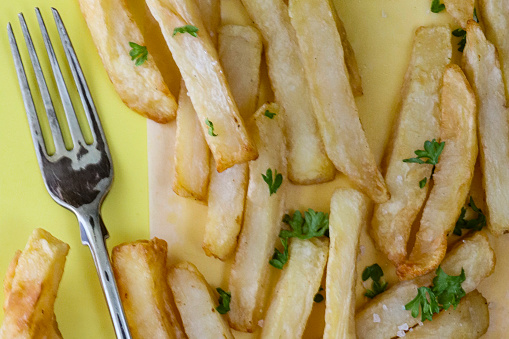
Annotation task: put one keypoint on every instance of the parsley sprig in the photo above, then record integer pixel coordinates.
(224, 301)
(473, 224)
(210, 125)
(436, 6)
(138, 53)
(431, 153)
(461, 33)
(279, 259)
(269, 114)
(273, 183)
(374, 272)
(445, 292)
(186, 29)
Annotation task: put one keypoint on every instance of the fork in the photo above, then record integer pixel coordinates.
(79, 178)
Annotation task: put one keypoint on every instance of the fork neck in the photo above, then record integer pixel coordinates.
(92, 227)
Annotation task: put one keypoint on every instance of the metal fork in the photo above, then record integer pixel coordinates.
(79, 178)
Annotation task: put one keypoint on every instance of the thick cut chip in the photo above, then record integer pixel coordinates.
(381, 317)
(452, 178)
(348, 213)
(292, 300)
(197, 303)
(418, 121)
(262, 222)
(142, 88)
(206, 84)
(480, 61)
(333, 100)
(307, 160)
(470, 320)
(210, 11)
(141, 274)
(460, 10)
(31, 286)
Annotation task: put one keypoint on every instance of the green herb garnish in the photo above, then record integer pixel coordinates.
(269, 114)
(186, 29)
(374, 272)
(140, 53)
(274, 183)
(436, 6)
(431, 153)
(473, 224)
(279, 259)
(210, 125)
(224, 301)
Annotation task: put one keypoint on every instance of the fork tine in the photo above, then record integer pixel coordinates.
(74, 126)
(79, 78)
(43, 88)
(28, 101)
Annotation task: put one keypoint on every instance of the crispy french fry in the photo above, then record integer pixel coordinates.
(210, 11)
(201, 70)
(240, 49)
(31, 287)
(381, 317)
(333, 100)
(460, 10)
(307, 160)
(348, 213)
(141, 274)
(481, 65)
(262, 222)
(293, 297)
(196, 303)
(470, 320)
(452, 178)
(418, 121)
(142, 88)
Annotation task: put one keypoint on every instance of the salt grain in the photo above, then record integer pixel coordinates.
(376, 318)
(260, 322)
(384, 15)
(403, 327)
(401, 334)
(384, 307)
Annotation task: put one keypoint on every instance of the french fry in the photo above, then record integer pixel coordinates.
(112, 28)
(452, 178)
(348, 213)
(307, 160)
(381, 317)
(196, 303)
(333, 100)
(210, 11)
(141, 274)
(31, 287)
(418, 121)
(470, 320)
(460, 10)
(201, 70)
(262, 222)
(240, 49)
(293, 297)
(482, 67)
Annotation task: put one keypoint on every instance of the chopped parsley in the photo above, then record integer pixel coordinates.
(186, 29)
(138, 53)
(473, 224)
(436, 6)
(273, 183)
(269, 114)
(210, 125)
(224, 301)
(374, 272)
(431, 153)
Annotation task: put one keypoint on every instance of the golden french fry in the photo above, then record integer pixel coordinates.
(196, 303)
(333, 100)
(142, 88)
(482, 67)
(141, 274)
(381, 317)
(240, 49)
(348, 212)
(307, 160)
(418, 121)
(293, 297)
(452, 178)
(210, 11)
(460, 10)
(262, 222)
(201, 70)
(31, 287)
(470, 320)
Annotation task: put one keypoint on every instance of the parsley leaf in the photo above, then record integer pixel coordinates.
(436, 6)
(473, 224)
(275, 183)
(186, 29)
(447, 288)
(374, 272)
(431, 153)
(313, 224)
(423, 182)
(460, 33)
(269, 114)
(140, 53)
(426, 306)
(224, 301)
(279, 259)
(476, 19)
(210, 125)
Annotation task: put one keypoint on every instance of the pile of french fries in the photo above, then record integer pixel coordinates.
(239, 155)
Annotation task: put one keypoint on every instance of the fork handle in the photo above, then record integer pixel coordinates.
(93, 234)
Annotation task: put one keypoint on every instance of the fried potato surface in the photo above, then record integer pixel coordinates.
(332, 97)
(141, 274)
(418, 121)
(196, 303)
(460, 10)
(142, 88)
(307, 159)
(452, 178)
(210, 11)
(348, 213)
(470, 320)
(31, 287)
(262, 221)
(201, 70)
(482, 67)
(473, 254)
